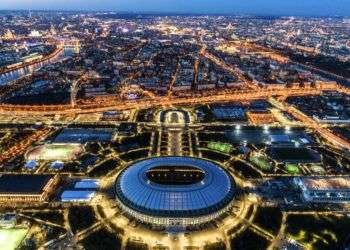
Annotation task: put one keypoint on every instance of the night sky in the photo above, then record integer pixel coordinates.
(254, 7)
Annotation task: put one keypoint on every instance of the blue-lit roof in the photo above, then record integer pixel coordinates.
(80, 135)
(87, 184)
(282, 138)
(211, 194)
(77, 195)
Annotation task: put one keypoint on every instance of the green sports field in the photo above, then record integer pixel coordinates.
(261, 162)
(317, 169)
(221, 147)
(47, 152)
(10, 239)
(292, 168)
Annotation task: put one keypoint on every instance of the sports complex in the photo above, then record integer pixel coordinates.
(175, 191)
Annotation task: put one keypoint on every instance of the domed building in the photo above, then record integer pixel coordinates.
(175, 191)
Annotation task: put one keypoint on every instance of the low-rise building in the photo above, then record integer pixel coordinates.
(77, 195)
(8, 220)
(27, 188)
(324, 189)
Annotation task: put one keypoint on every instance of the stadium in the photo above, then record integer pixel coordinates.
(55, 152)
(175, 191)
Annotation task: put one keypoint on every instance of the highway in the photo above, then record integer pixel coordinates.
(311, 123)
(233, 70)
(114, 103)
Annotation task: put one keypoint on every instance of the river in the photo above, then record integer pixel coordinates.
(17, 74)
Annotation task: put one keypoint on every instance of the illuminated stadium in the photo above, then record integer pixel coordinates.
(55, 152)
(175, 191)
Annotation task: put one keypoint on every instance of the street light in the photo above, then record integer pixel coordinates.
(287, 128)
(266, 129)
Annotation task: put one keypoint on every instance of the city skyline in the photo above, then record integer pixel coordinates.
(253, 7)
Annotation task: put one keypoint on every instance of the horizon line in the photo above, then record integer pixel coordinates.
(174, 13)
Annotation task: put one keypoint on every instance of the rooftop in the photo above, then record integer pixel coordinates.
(294, 154)
(327, 183)
(23, 184)
(87, 184)
(79, 135)
(77, 195)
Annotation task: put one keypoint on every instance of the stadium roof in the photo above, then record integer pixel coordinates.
(209, 195)
(23, 184)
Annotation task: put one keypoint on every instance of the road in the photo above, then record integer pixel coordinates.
(311, 123)
(233, 70)
(22, 146)
(113, 103)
